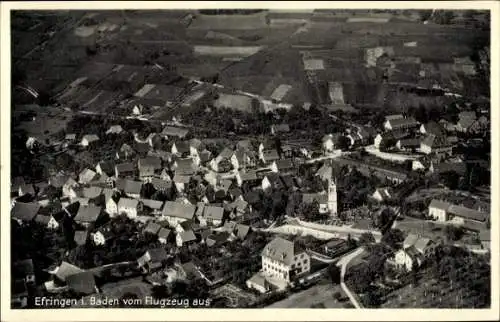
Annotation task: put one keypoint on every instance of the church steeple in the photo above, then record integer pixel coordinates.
(332, 197)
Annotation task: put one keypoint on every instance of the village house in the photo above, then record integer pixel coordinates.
(485, 237)
(213, 215)
(153, 259)
(114, 129)
(465, 120)
(87, 215)
(89, 139)
(433, 144)
(329, 143)
(180, 182)
(444, 211)
(24, 212)
(125, 170)
(149, 167)
(152, 228)
(283, 261)
(170, 131)
(154, 206)
(82, 283)
(382, 194)
(414, 250)
(86, 176)
(81, 237)
(432, 127)
(102, 235)
(248, 177)
(216, 239)
(111, 204)
(185, 238)
(181, 149)
(225, 161)
(177, 212)
(401, 124)
(410, 145)
(130, 207)
(243, 159)
(105, 167)
(185, 167)
(279, 128)
(126, 152)
(70, 137)
(131, 188)
(268, 156)
(271, 181)
(164, 235)
(53, 221)
(162, 185)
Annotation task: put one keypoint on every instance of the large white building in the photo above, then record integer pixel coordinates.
(284, 260)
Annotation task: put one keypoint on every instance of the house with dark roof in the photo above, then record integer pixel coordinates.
(130, 187)
(408, 144)
(248, 177)
(224, 161)
(106, 167)
(154, 206)
(153, 259)
(81, 237)
(283, 166)
(432, 127)
(125, 170)
(161, 185)
(149, 167)
(82, 283)
(87, 215)
(268, 156)
(401, 124)
(171, 131)
(104, 234)
(217, 238)
(180, 182)
(284, 260)
(152, 228)
(25, 212)
(279, 128)
(271, 181)
(185, 238)
(26, 189)
(185, 167)
(47, 221)
(164, 235)
(434, 144)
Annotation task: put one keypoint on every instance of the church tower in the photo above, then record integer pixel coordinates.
(332, 197)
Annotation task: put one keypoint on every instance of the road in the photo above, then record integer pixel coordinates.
(343, 262)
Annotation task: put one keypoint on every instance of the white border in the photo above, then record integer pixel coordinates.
(242, 314)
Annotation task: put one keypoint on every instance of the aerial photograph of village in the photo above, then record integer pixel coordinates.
(250, 158)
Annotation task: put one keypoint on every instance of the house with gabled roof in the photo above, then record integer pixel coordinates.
(149, 167)
(185, 238)
(432, 127)
(224, 161)
(125, 170)
(176, 212)
(164, 235)
(434, 144)
(154, 206)
(153, 259)
(185, 167)
(25, 212)
(87, 215)
(171, 131)
(115, 129)
(102, 235)
(401, 123)
(280, 128)
(130, 187)
(161, 184)
(152, 228)
(89, 139)
(415, 249)
(213, 215)
(130, 207)
(81, 237)
(283, 260)
(382, 194)
(86, 176)
(180, 182)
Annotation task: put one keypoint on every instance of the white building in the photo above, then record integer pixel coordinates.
(439, 210)
(283, 260)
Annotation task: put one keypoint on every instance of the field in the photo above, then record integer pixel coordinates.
(315, 295)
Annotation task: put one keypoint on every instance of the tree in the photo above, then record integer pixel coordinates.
(334, 273)
(366, 238)
(454, 233)
(393, 238)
